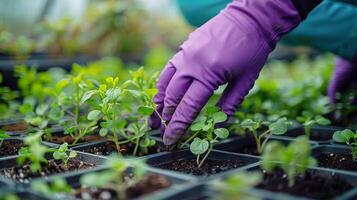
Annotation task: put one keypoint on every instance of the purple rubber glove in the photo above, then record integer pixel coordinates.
(344, 77)
(230, 48)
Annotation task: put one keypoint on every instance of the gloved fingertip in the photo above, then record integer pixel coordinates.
(154, 121)
(172, 135)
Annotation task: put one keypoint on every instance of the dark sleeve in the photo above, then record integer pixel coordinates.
(305, 6)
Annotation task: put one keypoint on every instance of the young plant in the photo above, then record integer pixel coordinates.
(205, 134)
(293, 159)
(72, 98)
(3, 136)
(237, 185)
(309, 120)
(57, 187)
(278, 127)
(348, 137)
(116, 99)
(61, 154)
(116, 177)
(34, 152)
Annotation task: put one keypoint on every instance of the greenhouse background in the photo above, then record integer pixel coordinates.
(164, 99)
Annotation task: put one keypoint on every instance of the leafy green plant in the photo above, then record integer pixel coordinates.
(62, 154)
(309, 120)
(236, 185)
(115, 176)
(71, 94)
(278, 127)
(204, 133)
(348, 137)
(116, 109)
(34, 152)
(3, 136)
(56, 187)
(293, 159)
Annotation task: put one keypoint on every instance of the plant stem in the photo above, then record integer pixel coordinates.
(189, 139)
(257, 140)
(162, 119)
(264, 142)
(206, 156)
(136, 146)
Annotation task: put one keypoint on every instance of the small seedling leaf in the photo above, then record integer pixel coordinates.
(322, 120)
(103, 132)
(343, 136)
(145, 110)
(199, 146)
(219, 117)
(72, 154)
(278, 128)
(94, 114)
(222, 133)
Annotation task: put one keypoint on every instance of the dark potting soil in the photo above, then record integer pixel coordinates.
(23, 174)
(337, 161)
(249, 149)
(107, 148)
(10, 147)
(311, 185)
(150, 183)
(210, 167)
(62, 138)
(20, 126)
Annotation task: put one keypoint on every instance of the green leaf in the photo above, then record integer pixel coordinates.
(87, 96)
(343, 136)
(322, 120)
(219, 117)
(211, 110)
(55, 113)
(72, 154)
(103, 132)
(278, 128)
(146, 110)
(196, 126)
(120, 124)
(41, 109)
(199, 146)
(222, 133)
(61, 84)
(3, 134)
(93, 115)
(145, 142)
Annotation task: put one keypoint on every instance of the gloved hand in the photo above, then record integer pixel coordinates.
(343, 77)
(230, 48)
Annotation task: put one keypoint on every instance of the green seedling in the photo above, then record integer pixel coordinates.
(309, 120)
(34, 152)
(62, 154)
(293, 159)
(204, 133)
(276, 128)
(115, 99)
(3, 136)
(348, 137)
(72, 96)
(116, 176)
(237, 185)
(57, 187)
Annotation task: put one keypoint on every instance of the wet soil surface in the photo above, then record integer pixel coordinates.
(337, 161)
(107, 148)
(62, 138)
(23, 174)
(150, 183)
(311, 185)
(10, 147)
(210, 167)
(20, 126)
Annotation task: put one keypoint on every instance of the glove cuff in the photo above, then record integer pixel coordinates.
(273, 18)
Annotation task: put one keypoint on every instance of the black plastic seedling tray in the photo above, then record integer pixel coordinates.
(9, 162)
(319, 134)
(347, 176)
(330, 151)
(178, 181)
(87, 146)
(169, 157)
(240, 144)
